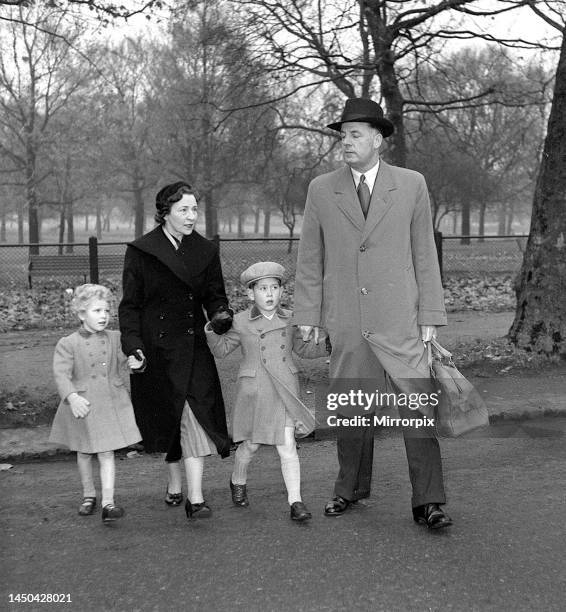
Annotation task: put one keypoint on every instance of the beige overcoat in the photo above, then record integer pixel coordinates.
(268, 384)
(93, 366)
(377, 278)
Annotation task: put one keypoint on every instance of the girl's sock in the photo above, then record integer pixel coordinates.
(107, 476)
(244, 453)
(84, 463)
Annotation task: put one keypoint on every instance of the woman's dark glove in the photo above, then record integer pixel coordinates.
(221, 321)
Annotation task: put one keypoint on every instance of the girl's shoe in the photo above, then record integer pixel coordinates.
(110, 513)
(88, 506)
(173, 499)
(201, 510)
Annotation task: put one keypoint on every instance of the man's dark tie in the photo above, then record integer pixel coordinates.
(364, 194)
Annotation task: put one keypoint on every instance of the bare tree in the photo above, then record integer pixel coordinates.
(367, 48)
(38, 76)
(540, 318)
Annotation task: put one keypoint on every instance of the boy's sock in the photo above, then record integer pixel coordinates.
(291, 470)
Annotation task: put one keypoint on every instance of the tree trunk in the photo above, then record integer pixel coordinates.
(99, 220)
(501, 218)
(86, 222)
(31, 196)
(481, 222)
(61, 228)
(21, 222)
(70, 224)
(3, 224)
(466, 225)
(266, 221)
(509, 220)
(385, 68)
(241, 220)
(256, 221)
(540, 318)
(210, 215)
(139, 207)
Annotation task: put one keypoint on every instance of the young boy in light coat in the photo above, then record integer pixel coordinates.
(267, 409)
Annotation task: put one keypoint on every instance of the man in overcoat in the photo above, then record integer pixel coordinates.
(368, 272)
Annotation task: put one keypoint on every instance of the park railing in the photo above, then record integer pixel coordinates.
(43, 264)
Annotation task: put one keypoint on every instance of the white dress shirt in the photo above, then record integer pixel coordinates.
(370, 175)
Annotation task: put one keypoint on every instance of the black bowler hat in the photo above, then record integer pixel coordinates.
(366, 111)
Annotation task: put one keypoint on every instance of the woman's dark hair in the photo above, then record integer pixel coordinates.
(170, 194)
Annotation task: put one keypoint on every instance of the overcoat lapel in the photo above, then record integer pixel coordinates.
(381, 198)
(156, 243)
(347, 199)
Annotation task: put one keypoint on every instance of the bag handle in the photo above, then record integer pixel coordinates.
(439, 350)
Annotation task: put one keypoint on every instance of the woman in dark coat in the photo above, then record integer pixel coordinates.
(170, 275)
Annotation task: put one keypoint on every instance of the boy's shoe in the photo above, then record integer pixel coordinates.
(239, 494)
(200, 510)
(299, 512)
(88, 506)
(110, 513)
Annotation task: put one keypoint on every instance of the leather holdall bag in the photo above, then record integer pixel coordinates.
(461, 408)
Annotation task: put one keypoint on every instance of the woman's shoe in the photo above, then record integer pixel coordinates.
(110, 513)
(201, 510)
(88, 506)
(239, 494)
(173, 499)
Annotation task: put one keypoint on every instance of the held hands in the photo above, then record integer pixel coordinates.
(306, 331)
(136, 360)
(221, 321)
(428, 332)
(79, 405)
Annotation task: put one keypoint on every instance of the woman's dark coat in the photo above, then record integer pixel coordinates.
(161, 313)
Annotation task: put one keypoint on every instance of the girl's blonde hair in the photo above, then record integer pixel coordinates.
(83, 294)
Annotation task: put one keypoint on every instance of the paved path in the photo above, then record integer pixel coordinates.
(504, 552)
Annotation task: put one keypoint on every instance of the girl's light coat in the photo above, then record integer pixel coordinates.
(93, 366)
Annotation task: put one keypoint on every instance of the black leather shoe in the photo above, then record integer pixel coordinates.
(239, 494)
(201, 510)
(88, 506)
(432, 516)
(110, 513)
(337, 506)
(173, 499)
(299, 512)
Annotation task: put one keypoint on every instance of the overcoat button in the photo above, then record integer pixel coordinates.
(162, 316)
(284, 359)
(264, 361)
(282, 346)
(190, 296)
(364, 291)
(190, 331)
(363, 248)
(283, 334)
(262, 336)
(263, 348)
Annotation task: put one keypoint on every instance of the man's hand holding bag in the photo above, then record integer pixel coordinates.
(461, 408)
